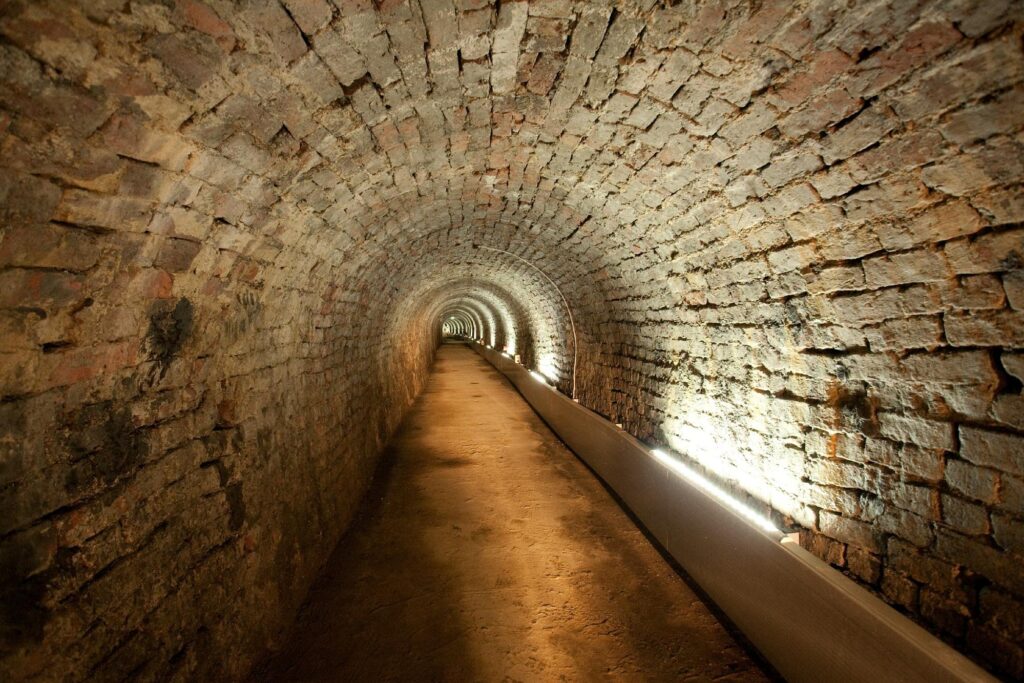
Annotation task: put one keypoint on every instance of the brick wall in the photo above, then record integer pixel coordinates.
(789, 233)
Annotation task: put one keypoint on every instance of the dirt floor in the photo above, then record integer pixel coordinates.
(487, 552)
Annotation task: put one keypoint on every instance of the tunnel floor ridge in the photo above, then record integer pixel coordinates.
(486, 551)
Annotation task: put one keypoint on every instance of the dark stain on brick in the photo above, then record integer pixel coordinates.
(246, 311)
(103, 444)
(265, 442)
(22, 615)
(23, 612)
(1012, 261)
(854, 409)
(169, 328)
(232, 492)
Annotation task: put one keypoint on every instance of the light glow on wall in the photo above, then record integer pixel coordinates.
(547, 365)
(744, 439)
(498, 314)
(469, 313)
(695, 477)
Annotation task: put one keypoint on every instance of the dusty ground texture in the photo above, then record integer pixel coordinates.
(487, 551)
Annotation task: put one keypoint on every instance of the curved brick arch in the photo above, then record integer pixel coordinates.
(539, 323)
(788, 234)
(478, 328)
(461, 324)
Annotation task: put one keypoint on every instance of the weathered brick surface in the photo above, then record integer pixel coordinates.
(789, 234)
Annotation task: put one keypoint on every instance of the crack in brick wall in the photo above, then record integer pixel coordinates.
(790, 235)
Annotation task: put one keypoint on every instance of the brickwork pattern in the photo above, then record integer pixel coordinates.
(790, 235)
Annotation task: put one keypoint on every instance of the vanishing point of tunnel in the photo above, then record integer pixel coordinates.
(357, 340)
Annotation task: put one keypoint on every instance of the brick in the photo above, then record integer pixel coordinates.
(176, 255)
(47, 289)
(944, 222)
(978, 122)
(920, 464)
(975, 292)
(942, 614)
(202, 18)
(964, 516)
(1005, 654)
(102, 211)
(920, 332)
(25, 199)
(915, 430)
(130, 137)
(910, 267)
(836, 182)
(898, 152)
(837, 279)
(49, 246)
(673, 74)
(193, 59)
(1011, 495)
(1009, 410)
(899, 590)
(963, 368)
(920, 500)
(975, 72)
(997, 163)
(825, 66)
(275, 27)
(984, 559)
(998, 450)
(1008, 533)
(340, 57)
(919, 45)
(972, 481)
(784, 169)
(989, 253)
(864, 565)
(820, 113)
(1013, 363)
(985, 328)
(84, 364)
(544, 34)
(1013, 284)
(1000, 206)
(864, 130)
(310, 15)
(1002, 612)
(941, 577)
(823, 547)
(849, 531)
(316, 80)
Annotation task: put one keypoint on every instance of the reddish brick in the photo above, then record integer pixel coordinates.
(202, 18)
(49, 246)
(920, 45)
(46, 289)
(176, 255)
(823, 68)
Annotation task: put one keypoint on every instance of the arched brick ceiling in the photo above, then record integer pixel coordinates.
(788, 233)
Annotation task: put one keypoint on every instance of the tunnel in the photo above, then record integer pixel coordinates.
(281, 282)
